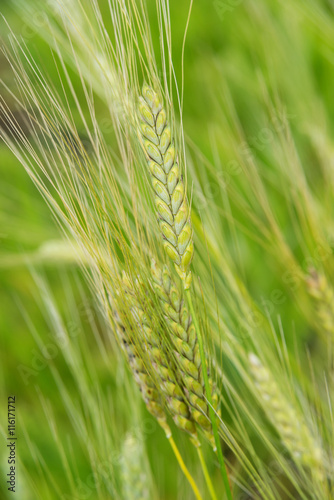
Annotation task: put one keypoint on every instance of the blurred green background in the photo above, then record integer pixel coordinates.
(236, 51)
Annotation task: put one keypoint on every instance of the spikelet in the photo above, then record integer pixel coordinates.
(294, 433)
(161, 363)
(170, 196)
(323, 297)
(186, 350)
(134, 478)
(152, 397)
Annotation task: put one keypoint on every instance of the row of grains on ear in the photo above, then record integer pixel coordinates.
(157, 368)
(167, 181)
(147, 385)
(185, 347)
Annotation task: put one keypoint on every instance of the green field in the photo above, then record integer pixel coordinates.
(248, 91)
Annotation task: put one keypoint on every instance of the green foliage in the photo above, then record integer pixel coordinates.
(248, 115)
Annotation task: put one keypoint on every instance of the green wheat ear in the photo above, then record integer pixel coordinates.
(186, 350)
(294, 433)
(167, 387)
(322, 294)
(170, 195)
(147, 386)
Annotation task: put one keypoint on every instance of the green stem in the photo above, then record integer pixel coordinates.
(209, 398)
(206, 475)
(184, 469)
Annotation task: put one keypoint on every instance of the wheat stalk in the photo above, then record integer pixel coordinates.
(169, 188)
(294, 433)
